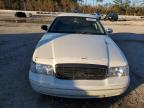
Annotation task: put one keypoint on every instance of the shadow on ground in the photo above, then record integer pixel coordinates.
(15, 92)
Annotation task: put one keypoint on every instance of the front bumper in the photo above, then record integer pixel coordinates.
(78, 88)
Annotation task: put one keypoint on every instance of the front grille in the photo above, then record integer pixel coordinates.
(81, 71)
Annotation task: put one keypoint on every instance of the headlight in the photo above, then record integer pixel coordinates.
(118, 71)
(42, 69)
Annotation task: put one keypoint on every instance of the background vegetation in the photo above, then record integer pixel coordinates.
(118, 6)
(122, 10)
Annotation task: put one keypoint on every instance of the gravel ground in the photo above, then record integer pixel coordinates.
(15, 92)
(13, 27)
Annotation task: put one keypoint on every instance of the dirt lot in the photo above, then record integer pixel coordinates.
(126, 26)
(16, 49)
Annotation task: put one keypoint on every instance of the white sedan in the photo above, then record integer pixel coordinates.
(77, 59)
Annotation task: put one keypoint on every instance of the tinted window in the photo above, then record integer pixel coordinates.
(76, 25)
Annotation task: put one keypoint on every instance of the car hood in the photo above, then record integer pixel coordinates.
(73, 48)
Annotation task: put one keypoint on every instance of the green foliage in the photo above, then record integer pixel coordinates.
(99, 0)
(118, 2)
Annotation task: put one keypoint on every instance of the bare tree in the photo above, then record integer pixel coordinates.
(2, 6)
(8, 4)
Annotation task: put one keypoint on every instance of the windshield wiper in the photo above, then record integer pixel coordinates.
(86, 33)
(91, 33)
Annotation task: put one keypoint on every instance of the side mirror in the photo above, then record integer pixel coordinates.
(109, 30)
(44, 27)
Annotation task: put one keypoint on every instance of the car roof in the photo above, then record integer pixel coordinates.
(77, 15)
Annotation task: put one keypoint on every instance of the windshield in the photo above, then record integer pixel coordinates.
(82, 25)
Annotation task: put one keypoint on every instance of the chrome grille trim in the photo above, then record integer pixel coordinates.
(81, 71)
